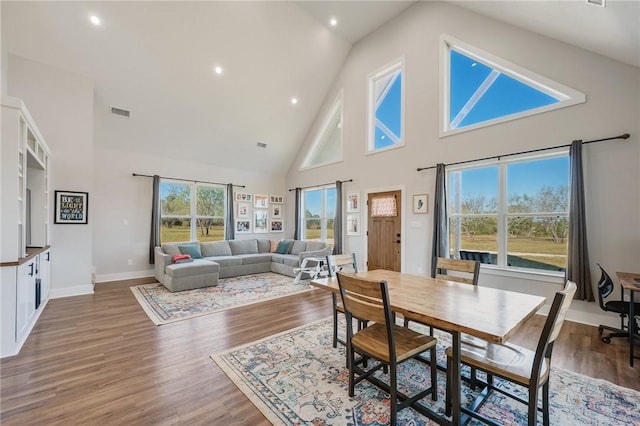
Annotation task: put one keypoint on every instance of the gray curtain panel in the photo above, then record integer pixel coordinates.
(296, 233)
(440, 247)
(229, 228)
(578, 269)
(337, 223)
(155, 219)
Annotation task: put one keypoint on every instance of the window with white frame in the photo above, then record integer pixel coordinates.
(191, 211)
(479, 89)
(386, 108)
(327, 147)
(319, 206)
(511, 213)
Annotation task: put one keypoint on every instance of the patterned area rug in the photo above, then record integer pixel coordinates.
(164, 307)
(296, 377)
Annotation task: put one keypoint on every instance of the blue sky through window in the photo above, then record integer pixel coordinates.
(313, 202)
(389, 112)
(496, 94)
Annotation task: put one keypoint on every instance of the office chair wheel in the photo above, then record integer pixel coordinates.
(606, 339)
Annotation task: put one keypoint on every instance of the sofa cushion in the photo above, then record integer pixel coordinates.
(172, 248)
(197, 267)
(215, 248)
(278, 258)
(273, 245)
(225, 260)
(298, 247)
(243, 246)
(192, 250)
(250, 259)
(291, 260)
(264, 246)
(315, 245)
(284, 247)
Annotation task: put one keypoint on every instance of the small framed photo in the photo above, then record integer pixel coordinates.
(353, 202)
(276, 199)
(71, 207)
(243, 226)
(260, 221)
(276, 226)
(241, 196)
(353, 224)
(276, 211)
(260, 201)
(243, 210)
(420, 203)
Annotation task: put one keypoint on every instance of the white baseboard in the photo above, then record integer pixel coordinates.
(71, 291)
(588, 318)
(124, 276)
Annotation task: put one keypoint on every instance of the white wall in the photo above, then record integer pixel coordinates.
(613, 107)
(61, 104)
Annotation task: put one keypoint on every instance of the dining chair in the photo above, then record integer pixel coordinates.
(335, 263)
(621, 307)
(384, 341)
(516, 364)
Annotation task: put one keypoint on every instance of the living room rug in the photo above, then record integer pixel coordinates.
(297, 377)
(164, 307)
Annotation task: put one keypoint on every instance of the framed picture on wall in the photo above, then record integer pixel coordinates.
(243, 226)
(276, 199)
(241, 196)
(353, 202)
(353, 224)
(243, 210)
(276, 226)
(276, 211)
(420, 203)
(260, 201)
(260, 221)
(71, 207)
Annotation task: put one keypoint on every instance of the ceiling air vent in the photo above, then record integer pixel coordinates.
(120, 111)
(261, 145)
(600, 3)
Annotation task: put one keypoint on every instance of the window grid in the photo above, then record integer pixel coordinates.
(381, 134)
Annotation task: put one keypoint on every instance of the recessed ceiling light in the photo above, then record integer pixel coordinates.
(94, 20)
(294, 101)
(218, 70)
(333, 22)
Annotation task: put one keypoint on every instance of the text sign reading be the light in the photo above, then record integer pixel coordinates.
(71, 207)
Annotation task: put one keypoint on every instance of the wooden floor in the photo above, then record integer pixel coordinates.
(98, 359)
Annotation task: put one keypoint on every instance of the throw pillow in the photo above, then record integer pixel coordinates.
(178, 258)
(273, 245)
(191, 250)
(284, 247)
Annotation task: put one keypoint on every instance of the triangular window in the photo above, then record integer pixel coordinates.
(327, 147)
(386, 108)
(481, 89)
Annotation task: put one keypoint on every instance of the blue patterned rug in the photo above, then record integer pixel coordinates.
(296, 377)
(164, 307)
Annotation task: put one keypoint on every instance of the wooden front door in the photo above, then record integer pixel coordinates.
(384, 223)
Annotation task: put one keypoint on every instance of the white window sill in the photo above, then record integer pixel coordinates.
(542, 276)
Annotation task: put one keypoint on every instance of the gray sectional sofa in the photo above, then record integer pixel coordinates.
(222, 259)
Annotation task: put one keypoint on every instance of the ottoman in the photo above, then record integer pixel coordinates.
(187, 276)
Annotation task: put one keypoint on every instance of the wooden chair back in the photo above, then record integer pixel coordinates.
(469, 267)
(341, 262)
(362, 298)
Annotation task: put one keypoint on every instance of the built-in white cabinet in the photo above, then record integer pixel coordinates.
(25, 252)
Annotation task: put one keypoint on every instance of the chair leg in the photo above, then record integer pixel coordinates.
(447, 395)
(434, 375)
(533, 406)
(335, 321)
(392, 394)
(545, 403)
(351, 363)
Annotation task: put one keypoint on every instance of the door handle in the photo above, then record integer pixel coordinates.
(397, 241)
(31, 269)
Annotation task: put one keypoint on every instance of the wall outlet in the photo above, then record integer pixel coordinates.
(129, 262)
(419, 269)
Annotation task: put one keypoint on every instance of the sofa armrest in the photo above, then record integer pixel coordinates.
(317, 253)
(161, 261)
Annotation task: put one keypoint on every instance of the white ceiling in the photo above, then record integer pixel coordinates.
(156, 58)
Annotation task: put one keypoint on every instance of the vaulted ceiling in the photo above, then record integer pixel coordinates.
(157, 59)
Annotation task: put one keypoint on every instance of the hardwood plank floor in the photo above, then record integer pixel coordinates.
(98, 359)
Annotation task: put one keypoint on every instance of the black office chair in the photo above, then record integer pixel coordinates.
(621, 307)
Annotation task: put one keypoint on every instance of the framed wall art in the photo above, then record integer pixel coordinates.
(276, 226)
(241, 196)
(276, 199)
(260, 201)
(71, 207)
(243, 226)
(420, 203)
(260, 221)
(353, 202)
(243, 210)
(276, 211)
(353, 224)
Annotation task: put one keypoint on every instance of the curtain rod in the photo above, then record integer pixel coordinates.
(623, 136)
(189, 180)
(322, 184)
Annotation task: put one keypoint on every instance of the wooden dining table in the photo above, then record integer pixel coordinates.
(487, 313)
(630, 281)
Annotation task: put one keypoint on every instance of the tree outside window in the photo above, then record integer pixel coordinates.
(320, 212)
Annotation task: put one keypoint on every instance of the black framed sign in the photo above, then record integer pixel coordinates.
(71, 207)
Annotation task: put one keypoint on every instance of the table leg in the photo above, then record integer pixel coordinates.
(456, 383)
(632, 327)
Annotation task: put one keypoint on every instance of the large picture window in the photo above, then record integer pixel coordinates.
(386, 108)
(319, 206)
(327, 147)
(514, 214)
(191, 211)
